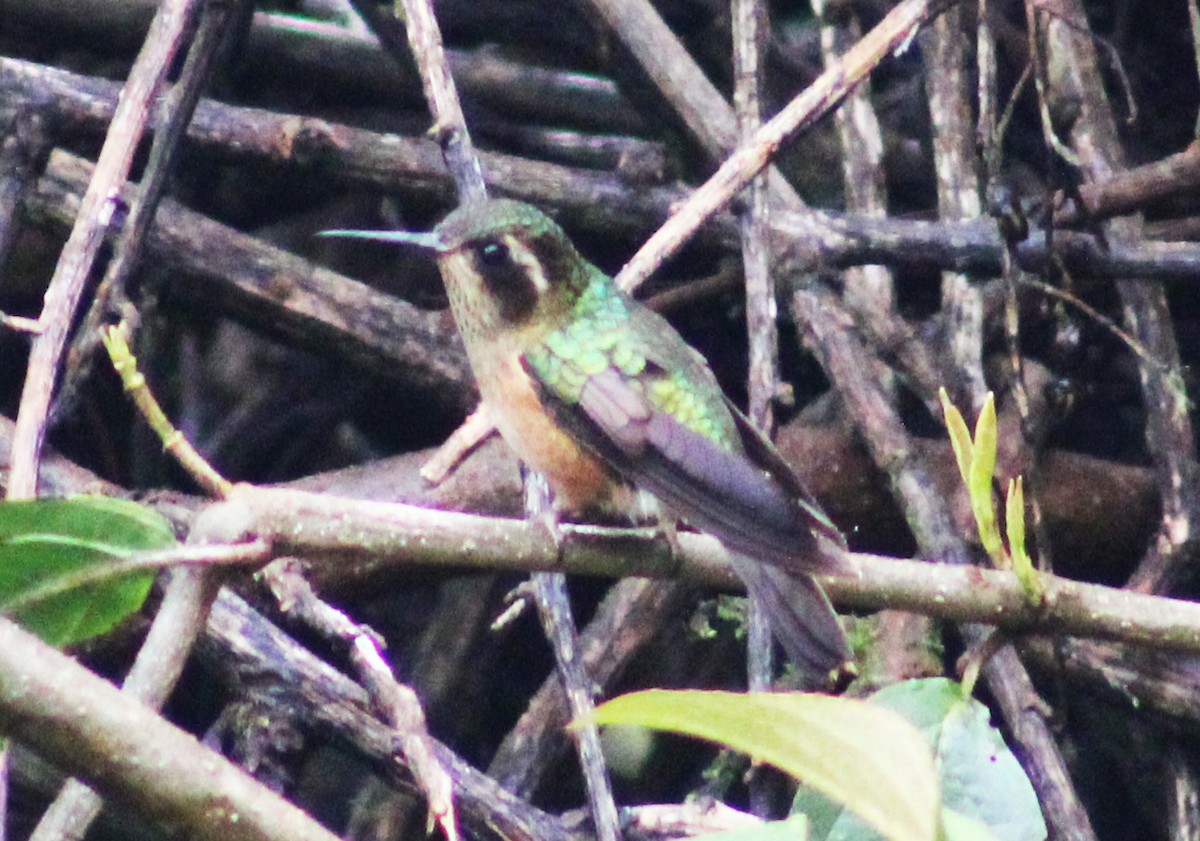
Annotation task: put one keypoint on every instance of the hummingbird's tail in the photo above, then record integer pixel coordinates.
(802, 619)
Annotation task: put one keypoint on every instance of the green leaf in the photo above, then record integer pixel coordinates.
(829, 822)
(861, 755)
(960, 436)
(1014, 521)
(41, 540)
(1014, 525)
(981, 780)
(959, 827)
(979, 480)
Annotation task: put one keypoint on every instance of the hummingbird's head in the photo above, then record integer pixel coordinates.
(507, 266)
(509, 263)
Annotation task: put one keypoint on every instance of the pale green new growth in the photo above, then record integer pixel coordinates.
(977, 465)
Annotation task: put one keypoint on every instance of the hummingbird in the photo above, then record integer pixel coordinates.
(604, 398)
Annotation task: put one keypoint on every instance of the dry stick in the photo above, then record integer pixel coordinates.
(26, 143)
(87, 727)
(869, 289)
(449, 125)
(824, 94)
(166, 35)
(558, 624)
(396, 704)
(154, 673)
(904, 644)
(329, 59)
(171, 125)
(842, 358)
(955, 167)
(242, 645)
(1073, 63)
(958, 194)
(751, 28)
(1133, 190)
(694, 98)
(66, 287)
(450, 129)
(395, 163)
(631, 615)
(253, 553)
(986, 141)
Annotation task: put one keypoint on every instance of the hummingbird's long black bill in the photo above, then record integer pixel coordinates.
(428, 240)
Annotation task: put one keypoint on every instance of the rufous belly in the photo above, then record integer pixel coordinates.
(579, 480)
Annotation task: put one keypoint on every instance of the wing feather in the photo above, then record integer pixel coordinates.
(715, 489)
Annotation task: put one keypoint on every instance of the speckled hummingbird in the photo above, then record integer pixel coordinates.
(601, 396)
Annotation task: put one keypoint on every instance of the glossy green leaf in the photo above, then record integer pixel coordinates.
(41, 540)
(861, 755)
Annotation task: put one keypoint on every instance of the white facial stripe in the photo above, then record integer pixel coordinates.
(526, 259)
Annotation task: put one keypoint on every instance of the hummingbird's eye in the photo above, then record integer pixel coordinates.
(493, 254)
(505, 277)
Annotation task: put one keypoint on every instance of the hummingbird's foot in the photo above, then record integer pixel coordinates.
(516, 600)
(473, 432)
(548, 518)
(668, 529)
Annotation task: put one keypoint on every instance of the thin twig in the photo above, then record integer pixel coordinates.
(558, 624)
(554, 609)
(173, 441)
(171, 120)
(449, 125)
(240, 643)
(894, 31)
(1074, 68)
(633, 613)
(958, 194)
(750, 28)
(166, 36)
(844, 361)
(27, 138)
(869, 289)
(255, 552)
(396, 704)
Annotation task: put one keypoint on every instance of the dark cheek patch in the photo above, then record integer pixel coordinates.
(554, 255)
(514, 291)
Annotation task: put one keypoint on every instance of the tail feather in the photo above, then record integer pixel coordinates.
(801, 617)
